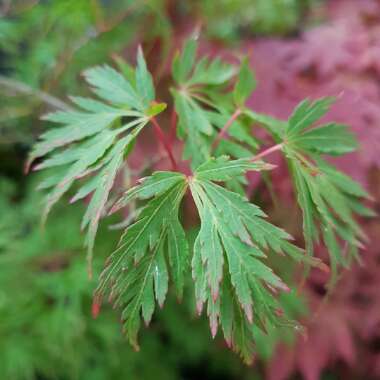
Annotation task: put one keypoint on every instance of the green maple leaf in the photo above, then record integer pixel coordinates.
(245, 84)
(95, 138)
(137, 273)
(228, 255)
(331, 138)
(328, 198)
(229, 268)
(204, 106)
(196, 84)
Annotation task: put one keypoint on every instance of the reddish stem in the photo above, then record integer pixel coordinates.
(224, 130)
(173, 126)
(270, 150)
(160, 135)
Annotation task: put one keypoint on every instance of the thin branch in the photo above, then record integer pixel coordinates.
(223, 132)
(121, 16)
(173, 126)
(160, 135)
(22, 88)
(268, 151)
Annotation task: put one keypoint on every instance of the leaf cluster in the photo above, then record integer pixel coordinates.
(231, 257)
(204, 105)
(95, 139)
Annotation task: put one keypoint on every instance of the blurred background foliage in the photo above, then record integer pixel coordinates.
(46, 327)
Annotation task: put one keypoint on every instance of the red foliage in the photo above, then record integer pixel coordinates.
(340, 57)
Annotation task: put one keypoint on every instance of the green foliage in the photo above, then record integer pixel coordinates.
(155, 247)
(234, 234)
(245, 84)
(101, 139)
(195, 81)
(46, 326)
(231, 17)
(204, 106)
(233, 254)
(242, 265)
(137, 273)
(43, 51)
(326, 196)
(44, 322)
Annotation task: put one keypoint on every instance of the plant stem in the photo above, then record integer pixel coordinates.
(224, 130)
(270, 150)
(173, 126)
(22, 88)
(160, 135)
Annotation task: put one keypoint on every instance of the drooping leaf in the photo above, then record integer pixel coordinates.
(230, 250)
(228, 263)
(93, 141)
(328, 198)
(137, 273)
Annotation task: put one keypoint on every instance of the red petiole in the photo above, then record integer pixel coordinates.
(161, 137)
(223, 132)
(270, 150)
(173, 126)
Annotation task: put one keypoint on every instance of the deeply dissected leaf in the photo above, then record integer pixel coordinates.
(95, 139)
(204, 107)
(111, 86)
(196, 83)
(306, 113)
(194, 127)
(235, 235)
(333, 139)
(137, 273)
(228, 259)
(328, 198)
(328, 210)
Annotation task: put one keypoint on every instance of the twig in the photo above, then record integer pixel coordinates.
(221, 135)
(173, 126)
(162, 138)
(270, 150)
(22, 88)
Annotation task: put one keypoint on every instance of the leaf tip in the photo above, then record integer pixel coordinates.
(323, 267)
(214, 328)
(96, 306)
(199, 307)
